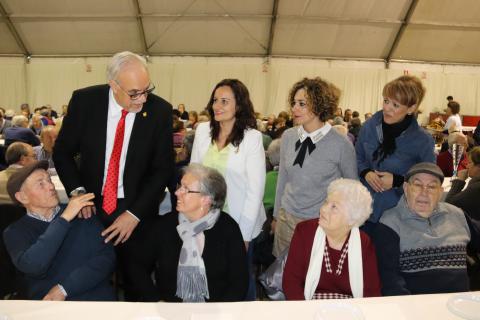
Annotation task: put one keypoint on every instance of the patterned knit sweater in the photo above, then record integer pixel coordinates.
(418, 255)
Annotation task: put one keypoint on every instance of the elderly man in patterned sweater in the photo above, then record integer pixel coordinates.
(421, 243)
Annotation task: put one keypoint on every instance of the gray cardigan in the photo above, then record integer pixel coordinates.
(302, 190)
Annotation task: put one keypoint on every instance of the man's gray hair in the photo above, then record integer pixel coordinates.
(273, 152)
(119, 60)
(356, 199)
(212, 183)
(18, 121)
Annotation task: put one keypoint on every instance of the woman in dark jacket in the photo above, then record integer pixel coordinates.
(198, 254)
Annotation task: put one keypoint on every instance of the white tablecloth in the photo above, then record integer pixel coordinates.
(423, 307)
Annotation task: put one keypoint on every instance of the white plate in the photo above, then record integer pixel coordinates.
(339, 311)
(465, 305)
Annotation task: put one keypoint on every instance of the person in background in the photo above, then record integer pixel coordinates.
(183, 112)
(231, 144)
(338, 112)
(48, 245)
(445, 158)
(390, 143)
(311, 156)
(25, 110)
(192, 120)
(19, 132)
(273, 161)
(422, 243)
(467, 199)
(45, 150)
(4, 123)
(453, 114)
(367, 115)
(37, 124)
(18, 155)
(330, 258)
(355, 126)
(347, 116)
(196, 254)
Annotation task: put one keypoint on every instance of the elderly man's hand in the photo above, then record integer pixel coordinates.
(55, 294)
(76, 204)
(86, 211)
(122, 227)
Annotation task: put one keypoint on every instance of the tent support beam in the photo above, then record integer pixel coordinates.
(141, 30)
(400, 32)
(272, 27)
(14, 31)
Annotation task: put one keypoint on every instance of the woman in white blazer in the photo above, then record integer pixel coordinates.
(231, 144)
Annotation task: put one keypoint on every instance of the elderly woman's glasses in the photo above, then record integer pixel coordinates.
(136, 95)
(185, 190)
(429, 188)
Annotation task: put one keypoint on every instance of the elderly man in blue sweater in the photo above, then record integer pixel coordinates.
(59, 257)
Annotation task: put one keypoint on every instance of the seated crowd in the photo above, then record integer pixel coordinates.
(357, 211)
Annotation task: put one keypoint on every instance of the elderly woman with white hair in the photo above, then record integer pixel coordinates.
(197, 254)
(329, 257)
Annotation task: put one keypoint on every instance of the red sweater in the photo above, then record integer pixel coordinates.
(298, 260)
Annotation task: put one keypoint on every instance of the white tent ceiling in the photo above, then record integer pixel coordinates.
(419, 30)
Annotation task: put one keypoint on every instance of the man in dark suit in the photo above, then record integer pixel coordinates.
(122, 135)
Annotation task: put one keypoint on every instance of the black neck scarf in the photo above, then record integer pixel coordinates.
(390, 133)
(306, 144)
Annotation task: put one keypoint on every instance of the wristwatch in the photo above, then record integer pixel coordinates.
(78, 191)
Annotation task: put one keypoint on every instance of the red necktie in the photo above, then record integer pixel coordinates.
(111, 184)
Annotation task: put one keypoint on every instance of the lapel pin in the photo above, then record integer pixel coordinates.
(144, 114)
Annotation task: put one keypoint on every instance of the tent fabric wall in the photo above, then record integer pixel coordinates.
(190, 80)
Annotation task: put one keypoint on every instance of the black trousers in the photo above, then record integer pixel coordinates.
(125, 271)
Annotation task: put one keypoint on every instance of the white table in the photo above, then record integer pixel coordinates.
(423, 307)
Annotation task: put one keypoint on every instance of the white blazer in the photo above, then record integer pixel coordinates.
(245, 178)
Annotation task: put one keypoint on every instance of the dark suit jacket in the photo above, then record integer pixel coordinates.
(149, 162)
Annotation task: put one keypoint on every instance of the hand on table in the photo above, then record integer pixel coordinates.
(122, 227)
(55, 294)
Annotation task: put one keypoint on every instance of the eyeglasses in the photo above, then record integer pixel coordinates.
(185, 190)
(136, 95)
(429, 188)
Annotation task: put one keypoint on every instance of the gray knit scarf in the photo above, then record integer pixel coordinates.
(192, 283)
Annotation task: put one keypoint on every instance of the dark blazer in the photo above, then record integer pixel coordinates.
(149, 162)
(467, 200)
(224, 257)
(15, 134)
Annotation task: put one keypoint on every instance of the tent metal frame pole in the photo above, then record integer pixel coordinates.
(140, 26)
(14, 31)
(400, 32)
(273, 24)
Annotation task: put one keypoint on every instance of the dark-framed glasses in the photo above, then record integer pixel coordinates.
(429, 188)
(185, 189)
(137, 94)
